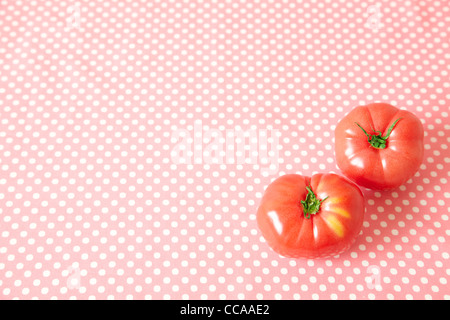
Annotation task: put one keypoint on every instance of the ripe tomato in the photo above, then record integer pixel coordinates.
(379, 146)
(315, 217)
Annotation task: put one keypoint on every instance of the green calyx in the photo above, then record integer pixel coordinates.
(377, 140)
(311, 204)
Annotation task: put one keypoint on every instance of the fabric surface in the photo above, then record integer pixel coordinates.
(137, 137)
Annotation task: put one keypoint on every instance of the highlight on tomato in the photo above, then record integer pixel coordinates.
(317, 217)
(379, 146)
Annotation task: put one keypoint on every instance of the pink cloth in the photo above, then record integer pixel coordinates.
(137, 138)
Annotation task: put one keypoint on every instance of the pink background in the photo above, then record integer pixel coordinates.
(93, 204)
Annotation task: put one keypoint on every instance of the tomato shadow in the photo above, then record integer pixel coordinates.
(386, 220)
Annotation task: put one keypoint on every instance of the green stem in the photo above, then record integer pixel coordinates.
(311, 205)
(376, 140)
(391, 128)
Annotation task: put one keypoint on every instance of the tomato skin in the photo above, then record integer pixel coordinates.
(329, 232)
(379, 169)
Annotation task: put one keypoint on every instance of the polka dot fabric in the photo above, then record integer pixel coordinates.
(127, 133)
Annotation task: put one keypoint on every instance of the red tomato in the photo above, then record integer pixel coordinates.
(379, 146)
(315, 217)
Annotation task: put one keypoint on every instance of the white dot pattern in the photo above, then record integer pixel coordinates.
(93, 94)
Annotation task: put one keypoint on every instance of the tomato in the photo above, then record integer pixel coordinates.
(379, 146)
(315, 217)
